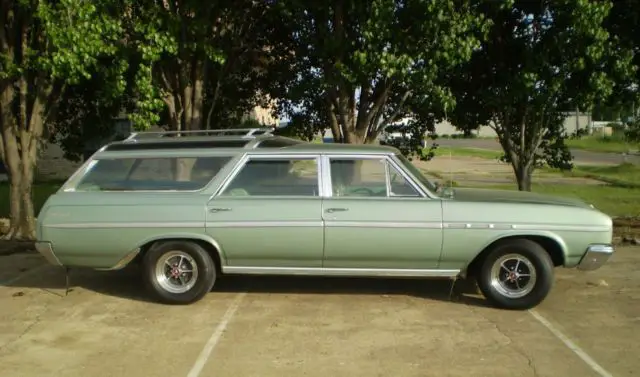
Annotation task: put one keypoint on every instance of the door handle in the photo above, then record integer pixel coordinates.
(332, 210)
(218, 209)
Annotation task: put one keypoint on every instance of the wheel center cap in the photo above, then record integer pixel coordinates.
(513, 276)
(175, 272)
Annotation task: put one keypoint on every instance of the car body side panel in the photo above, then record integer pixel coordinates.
(392, 233)
(469, 227)
(267, 232)
(97, 229)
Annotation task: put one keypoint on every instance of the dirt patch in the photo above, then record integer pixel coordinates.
(466, 170)
(13, 247)
(626, 230)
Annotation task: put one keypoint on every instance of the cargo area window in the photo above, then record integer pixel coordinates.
(151, 173)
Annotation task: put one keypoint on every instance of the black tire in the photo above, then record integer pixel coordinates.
(167, 290)
(532, 257)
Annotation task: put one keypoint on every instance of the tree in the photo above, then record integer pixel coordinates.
(44, 47)
(540, 60)
(359, 66)
(86, 115)
(182, 46)
(623, 24)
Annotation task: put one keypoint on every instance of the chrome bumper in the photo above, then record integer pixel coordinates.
(46, 249)
(596, 256)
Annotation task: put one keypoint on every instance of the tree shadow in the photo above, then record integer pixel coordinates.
(128, 284)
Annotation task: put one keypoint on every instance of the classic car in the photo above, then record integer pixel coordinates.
(190, 209)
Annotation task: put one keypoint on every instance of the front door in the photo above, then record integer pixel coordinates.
(375, 219)
(269, 215)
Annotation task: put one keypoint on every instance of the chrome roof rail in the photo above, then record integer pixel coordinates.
(244, 132)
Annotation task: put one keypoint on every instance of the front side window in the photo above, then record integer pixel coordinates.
(368, 178)
(358, 177)
(417, 173)
(275, 177)
(398, 184)
(151, 174)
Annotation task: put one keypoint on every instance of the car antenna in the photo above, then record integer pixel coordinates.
(450, 170)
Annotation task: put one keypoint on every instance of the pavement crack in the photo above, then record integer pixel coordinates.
(25, 331)
(513, 344)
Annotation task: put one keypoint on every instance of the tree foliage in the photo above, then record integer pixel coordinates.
(189, 52)
(623, 25)
(359, 66)
(540, 62)
(45, 46)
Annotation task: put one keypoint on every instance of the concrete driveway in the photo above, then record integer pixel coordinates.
(267, 327)
(580, 156)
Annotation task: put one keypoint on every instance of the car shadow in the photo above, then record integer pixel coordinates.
(128, 284)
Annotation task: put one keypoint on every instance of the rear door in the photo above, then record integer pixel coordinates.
(268, 216)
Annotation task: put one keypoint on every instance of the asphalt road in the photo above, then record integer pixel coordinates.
(580, 156)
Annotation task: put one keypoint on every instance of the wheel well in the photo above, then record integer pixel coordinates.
(212, 250)
(549, 244)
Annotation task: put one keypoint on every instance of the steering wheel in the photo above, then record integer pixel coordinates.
(368, 191)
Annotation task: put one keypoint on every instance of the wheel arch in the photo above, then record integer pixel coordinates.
(209, 244)
(551, 243)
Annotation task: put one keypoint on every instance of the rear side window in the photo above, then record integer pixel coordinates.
(151, 174)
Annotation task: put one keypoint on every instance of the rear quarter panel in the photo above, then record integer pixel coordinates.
(470, 227)
(97, 229)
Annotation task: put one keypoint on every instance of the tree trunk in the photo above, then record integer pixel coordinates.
(20, 165)
(523, 173)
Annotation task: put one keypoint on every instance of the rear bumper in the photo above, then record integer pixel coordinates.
(46, 249)
(595, 257)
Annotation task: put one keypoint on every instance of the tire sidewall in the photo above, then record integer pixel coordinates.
(542, 263)
(206, 272)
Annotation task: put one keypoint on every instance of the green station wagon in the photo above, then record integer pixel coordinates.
(192, 208)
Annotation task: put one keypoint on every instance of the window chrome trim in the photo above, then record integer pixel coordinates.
(415, 182)
(387, 178)
(407, 181)
(71, 182)
(204, 188)
(387, 159)
(247, 156)
(337, 271)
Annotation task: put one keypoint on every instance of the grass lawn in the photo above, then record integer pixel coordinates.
(612, 200)
(623, 175)
(444, 151)
(602, 144)
(41, 192)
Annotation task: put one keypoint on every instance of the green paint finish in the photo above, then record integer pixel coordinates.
(382, 233)
(98, 229)
(370, 231)
(510, 196)
(267, 232)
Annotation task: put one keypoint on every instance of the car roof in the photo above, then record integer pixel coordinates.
(247, 132)
(236, 144)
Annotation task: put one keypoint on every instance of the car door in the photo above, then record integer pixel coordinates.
(268, 215)
(376, 219)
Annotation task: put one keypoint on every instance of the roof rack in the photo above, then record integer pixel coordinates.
(244, 132)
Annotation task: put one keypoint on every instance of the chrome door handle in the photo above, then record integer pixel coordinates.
(332, 210)
(214, 210)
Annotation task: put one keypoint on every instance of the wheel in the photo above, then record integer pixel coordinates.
(516, 274)
(178, 272)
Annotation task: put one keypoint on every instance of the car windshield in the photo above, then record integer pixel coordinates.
(431, 186)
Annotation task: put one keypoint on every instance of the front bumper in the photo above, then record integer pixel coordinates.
(46, 249)
(595, 257)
